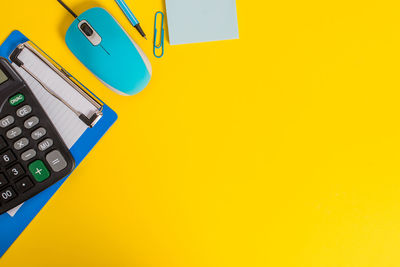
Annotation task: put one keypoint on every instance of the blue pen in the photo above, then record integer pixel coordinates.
(128, 13)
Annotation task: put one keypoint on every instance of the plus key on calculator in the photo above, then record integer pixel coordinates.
(33, 155)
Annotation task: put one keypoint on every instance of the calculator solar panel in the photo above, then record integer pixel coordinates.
(33, 155)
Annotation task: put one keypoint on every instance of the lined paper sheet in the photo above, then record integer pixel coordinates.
(66, 121)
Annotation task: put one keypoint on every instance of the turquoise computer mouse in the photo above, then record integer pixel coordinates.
(104, 47)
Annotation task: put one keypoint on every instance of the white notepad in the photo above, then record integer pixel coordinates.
(195, 21)
(67, 123)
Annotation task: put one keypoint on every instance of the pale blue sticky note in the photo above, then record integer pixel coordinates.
(195, 21)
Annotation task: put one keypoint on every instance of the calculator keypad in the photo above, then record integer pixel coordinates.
(7, 121)
(56, 161)
(44, 145)
(24, 185)
(3, 143)
(39, 170)
(31, 122)
(3, 180)
(8, 194)
(29, 154)
(25, 110)
(15, 171)
(7, 158)
(32, 154)
(39, 133)
(21, 143)
(14, 132)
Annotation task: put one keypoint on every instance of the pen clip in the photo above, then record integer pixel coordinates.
(160, 45)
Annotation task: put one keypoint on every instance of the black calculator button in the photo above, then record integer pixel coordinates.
(21, 143)
(3, 143)
(24, 185)
(13, 133)
(15, 171)
(7, 194)
(45, 144)
(3, 180)
(31, 122)
(29, 154)
(39, 133)
(7, 121)
(56, 161)
(7, 158)
(25, 110)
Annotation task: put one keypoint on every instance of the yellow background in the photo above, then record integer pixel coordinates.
(278, 149)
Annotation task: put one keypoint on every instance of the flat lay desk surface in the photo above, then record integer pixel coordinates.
(278, 149)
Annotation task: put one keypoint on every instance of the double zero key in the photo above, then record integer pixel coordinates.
(7, 195)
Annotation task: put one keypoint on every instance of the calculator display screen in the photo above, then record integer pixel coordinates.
(3, 77)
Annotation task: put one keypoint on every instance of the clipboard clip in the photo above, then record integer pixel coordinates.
(94, 118)
(160, 45)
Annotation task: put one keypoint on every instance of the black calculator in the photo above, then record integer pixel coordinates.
(33, 155)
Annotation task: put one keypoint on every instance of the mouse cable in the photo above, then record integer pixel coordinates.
(67, 8)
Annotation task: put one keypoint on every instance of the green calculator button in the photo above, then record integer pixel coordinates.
(39, 171)
(17, 99)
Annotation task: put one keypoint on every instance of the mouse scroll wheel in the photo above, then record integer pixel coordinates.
(86, 29)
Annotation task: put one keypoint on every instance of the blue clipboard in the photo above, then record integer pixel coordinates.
(12, 227)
